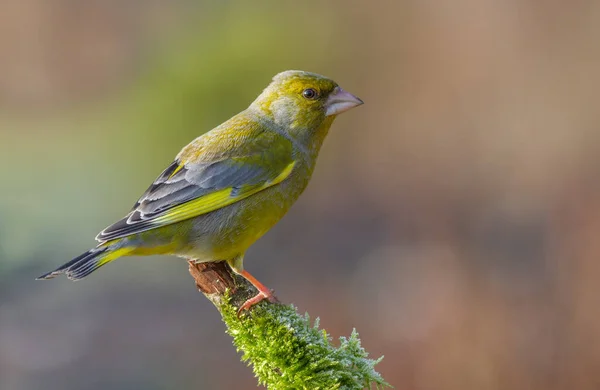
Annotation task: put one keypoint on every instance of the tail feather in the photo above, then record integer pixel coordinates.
(85, 264)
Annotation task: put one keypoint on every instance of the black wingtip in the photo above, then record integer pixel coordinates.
(48, 276)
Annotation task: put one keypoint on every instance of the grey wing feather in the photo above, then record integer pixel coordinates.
(161, 179)
(187, 183)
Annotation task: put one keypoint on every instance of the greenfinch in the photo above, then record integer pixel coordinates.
(229, 186)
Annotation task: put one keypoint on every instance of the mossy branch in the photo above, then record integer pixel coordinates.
(283, 348)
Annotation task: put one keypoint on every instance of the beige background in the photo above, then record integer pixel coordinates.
(453, 219)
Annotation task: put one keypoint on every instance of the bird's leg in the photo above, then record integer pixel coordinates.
(237, 266)
(263, 292)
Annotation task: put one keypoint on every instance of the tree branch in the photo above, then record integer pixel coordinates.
(284, 349)
(216, 280)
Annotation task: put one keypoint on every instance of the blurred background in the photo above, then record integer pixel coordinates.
(453, 219)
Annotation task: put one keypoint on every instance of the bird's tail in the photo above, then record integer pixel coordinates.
(85, 264)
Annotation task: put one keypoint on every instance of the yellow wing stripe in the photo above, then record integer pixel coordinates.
(217, 200)
(179, 168)
(282, 176)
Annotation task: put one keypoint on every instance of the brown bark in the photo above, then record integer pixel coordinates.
(214, 279)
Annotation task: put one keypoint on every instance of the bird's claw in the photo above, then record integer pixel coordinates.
(256, 299)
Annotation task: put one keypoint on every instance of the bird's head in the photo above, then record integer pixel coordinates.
(297, 99)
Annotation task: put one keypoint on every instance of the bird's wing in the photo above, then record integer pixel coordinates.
(209, 175)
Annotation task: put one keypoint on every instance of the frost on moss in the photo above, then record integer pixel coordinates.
(287, 352)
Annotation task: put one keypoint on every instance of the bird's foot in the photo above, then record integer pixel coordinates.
(267, 294)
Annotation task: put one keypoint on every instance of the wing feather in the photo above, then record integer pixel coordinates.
(188, 189)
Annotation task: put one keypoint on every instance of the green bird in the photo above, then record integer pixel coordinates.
(229, 186)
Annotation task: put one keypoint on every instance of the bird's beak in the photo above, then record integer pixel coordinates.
(340, 101)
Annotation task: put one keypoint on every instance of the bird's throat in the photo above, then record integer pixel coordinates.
(318, 135)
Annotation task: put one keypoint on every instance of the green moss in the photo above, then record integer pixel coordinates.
(287, 352)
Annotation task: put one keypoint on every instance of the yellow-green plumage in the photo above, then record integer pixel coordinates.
(230, 186)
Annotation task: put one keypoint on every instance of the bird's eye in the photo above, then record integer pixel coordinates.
(310, 93)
